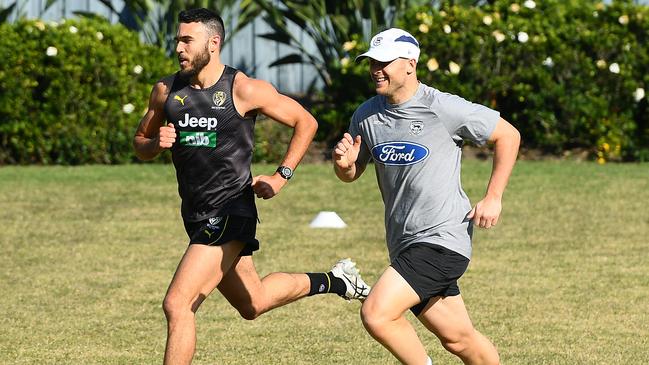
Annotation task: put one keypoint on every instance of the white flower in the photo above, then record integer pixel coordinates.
(51, 51)
(137, 69)
(349, 45)
(530, 4)
(498, 35)
(432, 64)
(128, 108)
(423, 28)
(447, 29)
(454, 68)
(614, 68)
(595, 14)
(601, 64)
(99, 35)
(73, 29)
(515, 7)
(344, 61)
(627, 47)
(487, 19)
(623, 19)
(523, 37)
(638, 94)
(548, 62)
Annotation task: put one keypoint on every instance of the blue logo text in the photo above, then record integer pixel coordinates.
(399, 153)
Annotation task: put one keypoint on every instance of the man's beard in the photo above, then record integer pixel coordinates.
(197, 64)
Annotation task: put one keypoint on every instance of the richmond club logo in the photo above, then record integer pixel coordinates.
(399, 153)
(212, 222)
(218, 98)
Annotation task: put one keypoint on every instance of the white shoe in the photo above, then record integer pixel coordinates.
(346, 270)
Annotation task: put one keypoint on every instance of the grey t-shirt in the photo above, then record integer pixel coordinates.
(416, 148)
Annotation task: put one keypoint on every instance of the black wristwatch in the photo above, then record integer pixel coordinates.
(285, 172)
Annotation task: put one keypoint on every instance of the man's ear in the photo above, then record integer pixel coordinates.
(215, 43)
(412, 66)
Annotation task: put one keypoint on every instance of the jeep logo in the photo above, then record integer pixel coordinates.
(202, 122)
(399, 153)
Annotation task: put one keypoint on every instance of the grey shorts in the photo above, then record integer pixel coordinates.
(431, 271)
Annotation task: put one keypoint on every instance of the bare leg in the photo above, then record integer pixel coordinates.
(199, 272)
(383, 317)
(252, 297)
(448, 319)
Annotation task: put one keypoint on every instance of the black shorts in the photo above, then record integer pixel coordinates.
(216, 231)
(430, 270)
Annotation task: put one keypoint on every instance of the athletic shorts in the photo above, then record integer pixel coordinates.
(430, 270)
(216, 231)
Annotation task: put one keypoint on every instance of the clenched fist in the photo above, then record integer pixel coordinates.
(346, 151)
(167, 136)
(267, 187)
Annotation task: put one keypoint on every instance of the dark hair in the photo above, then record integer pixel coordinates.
(212, 20)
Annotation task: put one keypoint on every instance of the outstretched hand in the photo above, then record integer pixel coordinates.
(266, 187)
(346, 151)
(485, 214)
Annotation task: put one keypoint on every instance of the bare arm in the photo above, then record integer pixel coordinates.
(506, 141)
(251, 94)
(151, 136)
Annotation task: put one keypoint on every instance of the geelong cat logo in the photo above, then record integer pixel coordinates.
(399, 153)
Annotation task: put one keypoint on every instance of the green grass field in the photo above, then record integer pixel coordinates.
(87, 254)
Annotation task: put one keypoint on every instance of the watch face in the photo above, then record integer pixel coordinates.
(286, 172)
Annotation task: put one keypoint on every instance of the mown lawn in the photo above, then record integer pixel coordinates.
(87, 254)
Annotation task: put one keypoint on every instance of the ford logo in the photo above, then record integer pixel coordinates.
(399, 153)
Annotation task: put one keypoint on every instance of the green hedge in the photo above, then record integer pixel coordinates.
(73, 92)
(568, 74)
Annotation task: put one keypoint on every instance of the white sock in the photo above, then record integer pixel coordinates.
(430, 361)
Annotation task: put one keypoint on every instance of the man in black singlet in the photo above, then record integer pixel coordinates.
(205, 114)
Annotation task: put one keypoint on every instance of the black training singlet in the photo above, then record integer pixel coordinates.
(213, 149)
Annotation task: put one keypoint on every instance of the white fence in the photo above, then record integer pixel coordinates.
(245, 51)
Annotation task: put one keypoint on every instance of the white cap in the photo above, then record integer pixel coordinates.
(392, 44)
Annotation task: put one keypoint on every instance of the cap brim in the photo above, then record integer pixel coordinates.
(379, 56)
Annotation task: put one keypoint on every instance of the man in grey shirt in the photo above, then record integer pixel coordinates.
(414, 135)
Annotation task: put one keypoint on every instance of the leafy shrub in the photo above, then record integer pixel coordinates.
(565, 73)
(271, 140)
(350, 86)
(73, 92)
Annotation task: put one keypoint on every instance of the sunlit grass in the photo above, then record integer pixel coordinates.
(88, 252)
